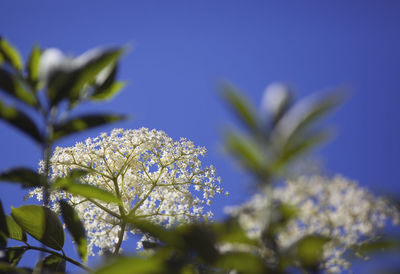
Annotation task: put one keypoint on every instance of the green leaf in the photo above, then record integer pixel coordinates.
(50, 265)
(75, 227)
(14, 255)
(303, 116)
(89, 191)
(385, 244)
(231, 232)
(21, 121)
(310, 250)
(241, 107)
(32, 66)
(134, 265)
(10, 54)
(14, 230)
(25, 176)
(13, 86)
(41, 223)
(247, 151)
(84, 122)
(242, 262)
(69, 84)
(109, 92)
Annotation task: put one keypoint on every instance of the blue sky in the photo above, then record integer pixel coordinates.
(182, 51)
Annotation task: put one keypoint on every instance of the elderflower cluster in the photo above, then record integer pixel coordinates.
(335, 208)
(157, 179)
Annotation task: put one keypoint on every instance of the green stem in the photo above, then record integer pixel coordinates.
(42, 249)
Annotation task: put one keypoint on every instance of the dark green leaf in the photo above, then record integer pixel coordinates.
(231, 232)
(133, 265)
(50, 265)
(108, 93)
(241, 107)
(75, 227)
(84, 122)
(10, 54)
(32, 66)
(21, 121)
(13, 86)
(41, 223)
(14, 230)
(26, 176)
(69, 84)
(14, 255)
(85, 190)
(3, 228)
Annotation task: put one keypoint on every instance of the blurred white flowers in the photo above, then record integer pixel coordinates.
(158, 179)
(335, 208)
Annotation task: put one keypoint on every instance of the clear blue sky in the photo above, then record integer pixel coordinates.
(182, 50)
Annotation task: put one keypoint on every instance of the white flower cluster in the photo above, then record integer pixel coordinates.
(158, 179)
(335, 208)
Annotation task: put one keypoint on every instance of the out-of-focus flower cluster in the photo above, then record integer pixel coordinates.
(335, 208)
(158, 179)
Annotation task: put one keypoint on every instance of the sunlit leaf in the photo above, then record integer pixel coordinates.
(12, 85)
(85, 190)
(21, 121)
(10, 54)
(14, 230)
(241, 107)
(14, 255)
(84, 122)
(25, 176)
(133, 265)
(108, 93)
(380, 245)
(32, 66)
(51, 264)
(41, 223)
(75, 227)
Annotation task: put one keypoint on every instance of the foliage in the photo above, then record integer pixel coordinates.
(140, 180)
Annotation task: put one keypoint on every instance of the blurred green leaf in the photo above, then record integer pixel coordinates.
(14, 255)
(247, 150)
(41, 223)
(385, 244)
(14, 230)
(168, 237)
(84, 122)
(241, 262)
(69, 84)
(231, 232)
(109, 92)
(13, 86)
(89, 191)
(310, 250)
(32, 66)
(25, 176)
(303, 115)
(50, 265)
(75, 227)
(133, 265)
(241, 106)
(21, 121)
(10, 54)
